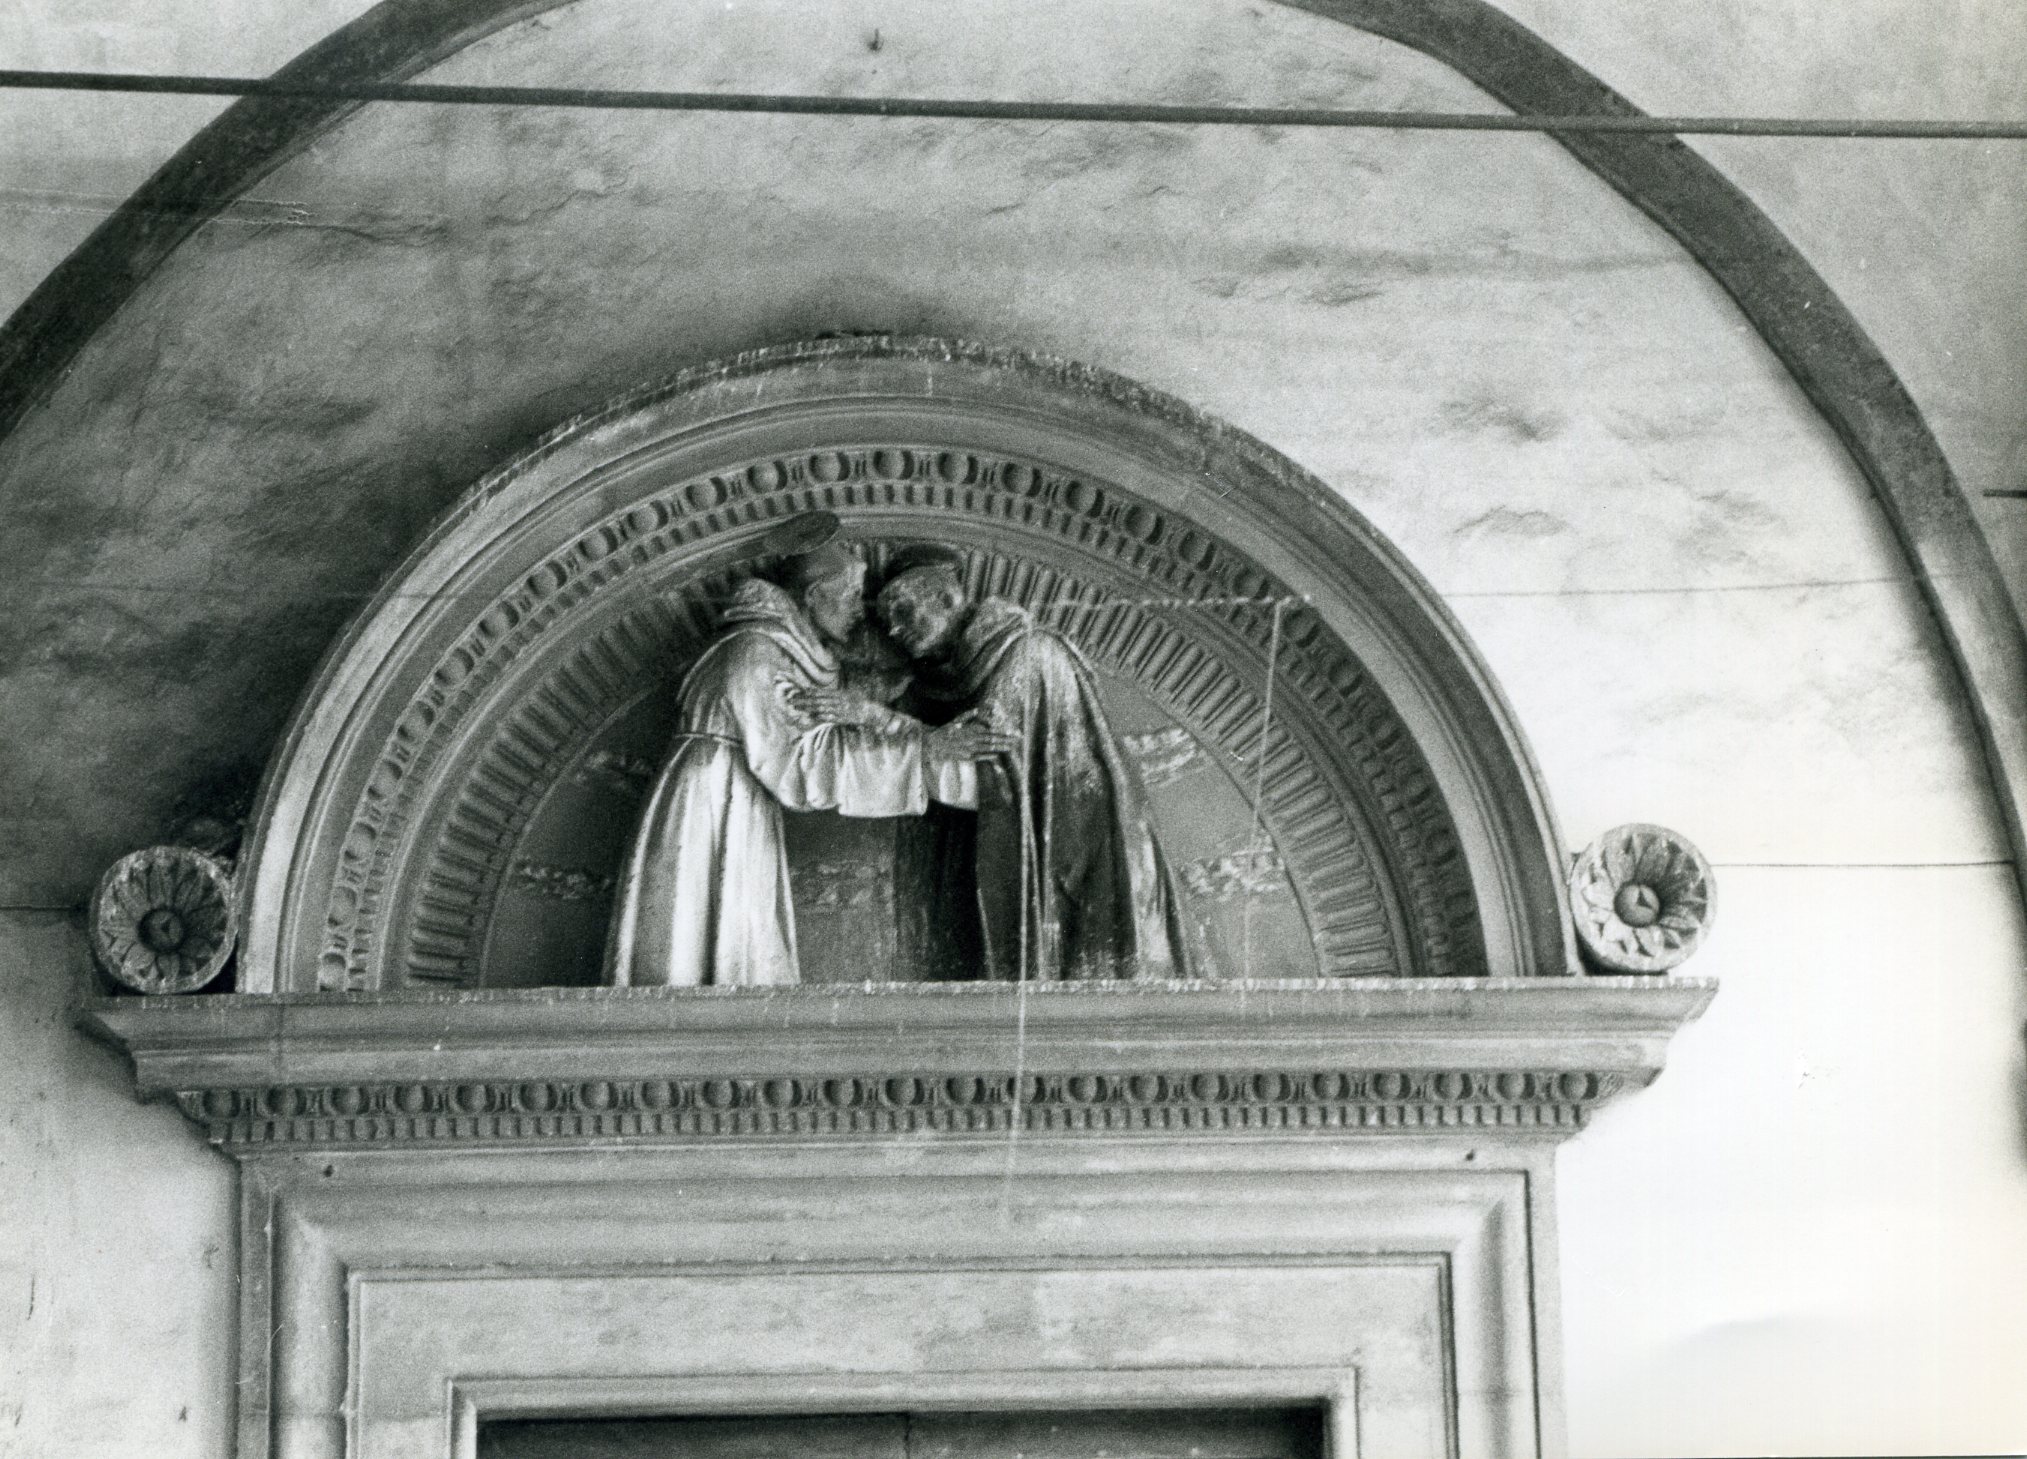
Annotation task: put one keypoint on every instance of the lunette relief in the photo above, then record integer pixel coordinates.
(1101, 730)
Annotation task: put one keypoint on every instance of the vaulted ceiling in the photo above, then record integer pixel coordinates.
(231, 417)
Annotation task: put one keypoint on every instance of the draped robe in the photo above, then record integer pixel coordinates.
(705, 893)
(1058, 875)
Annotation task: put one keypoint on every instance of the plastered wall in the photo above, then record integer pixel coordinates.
(1806, 1237)
(119, 1235)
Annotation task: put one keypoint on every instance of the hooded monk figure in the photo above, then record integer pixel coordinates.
(705, 894)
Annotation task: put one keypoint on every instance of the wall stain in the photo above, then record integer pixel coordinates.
(1505, 521)
(1505, 419)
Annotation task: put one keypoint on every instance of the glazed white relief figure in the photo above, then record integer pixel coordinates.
(704, 896)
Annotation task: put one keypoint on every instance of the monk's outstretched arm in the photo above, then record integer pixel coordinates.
(809, 766)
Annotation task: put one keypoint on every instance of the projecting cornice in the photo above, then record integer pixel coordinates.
(1527, 1057)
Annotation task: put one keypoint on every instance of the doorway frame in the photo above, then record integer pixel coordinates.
(1007, 1390)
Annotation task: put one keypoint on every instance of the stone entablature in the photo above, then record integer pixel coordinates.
(463, 1206)
(1520, 1057)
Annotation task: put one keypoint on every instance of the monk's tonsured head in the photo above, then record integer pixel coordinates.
(923, 601)
(825, 576)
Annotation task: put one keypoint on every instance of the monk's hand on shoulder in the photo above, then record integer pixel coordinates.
(838, 706)
(969, 737)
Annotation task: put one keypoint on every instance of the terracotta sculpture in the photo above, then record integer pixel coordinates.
(704, 897)
(1058, 874)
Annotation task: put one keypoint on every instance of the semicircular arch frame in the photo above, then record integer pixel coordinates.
(1827, 351)
(1263, 615)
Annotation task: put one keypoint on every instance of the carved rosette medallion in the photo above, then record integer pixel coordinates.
(163, 920)
(1643, 899)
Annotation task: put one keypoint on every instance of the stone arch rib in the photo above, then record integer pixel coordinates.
(1794, 310)
(393, 41)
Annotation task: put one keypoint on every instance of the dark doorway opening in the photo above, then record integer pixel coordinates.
(1225, 1433)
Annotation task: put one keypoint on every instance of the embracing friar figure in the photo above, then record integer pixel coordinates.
(1057, 874)
(1030, 857)
(704, 897)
